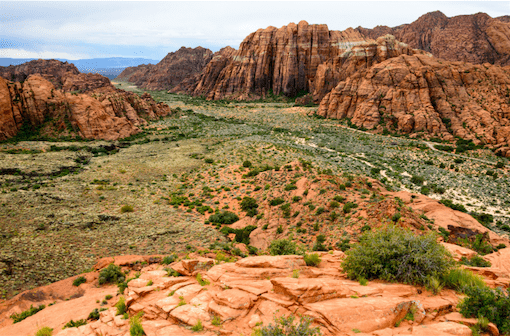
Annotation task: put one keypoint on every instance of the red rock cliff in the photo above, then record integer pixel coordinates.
(278, 60)
(421, 93)
(474, 38)
(102, 113)
(172, 70)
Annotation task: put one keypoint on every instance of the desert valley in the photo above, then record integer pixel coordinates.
(310, 182)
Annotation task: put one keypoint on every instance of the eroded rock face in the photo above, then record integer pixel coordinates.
(52, 70)
(278, 60)
(171, 71)
(421, 93)
(476, 38)
(204, 82)
(360, 57)
(104, 113)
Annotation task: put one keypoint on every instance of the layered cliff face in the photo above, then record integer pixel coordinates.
(172, 70)
(103, 113)
(52, 70)
(424, 94)
(278, 60)
(474, 38)
(360, 57)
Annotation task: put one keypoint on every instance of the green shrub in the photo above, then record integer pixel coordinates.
(127, 208)
(94, 315)
(475, 261)
(319, 243)
(282, 247)
(169, 259)
(224, 217)
(276, 201)
(396, 216)
(111, 274)
(208, 160)
(135, 326)
(75, 324)
(291, 186)
(493, 304)
(479, 244)
(348, 206)
(44, 331)
(296, 199)
(121, 306)
(461, 279)
(242, 235)
(26, 313)
(198, 326)
(285, 326)
(78, 281)
(247, 164)
(418, 180)
(396, 254)
(454, 206)
(249, 205)
(312, 259)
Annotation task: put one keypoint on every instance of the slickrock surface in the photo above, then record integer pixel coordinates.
(249, 293)
(476, 38)
(278, 60)
(103, 113)
(420, 93)
(170, 71)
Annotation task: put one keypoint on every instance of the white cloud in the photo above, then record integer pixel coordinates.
(21, 53)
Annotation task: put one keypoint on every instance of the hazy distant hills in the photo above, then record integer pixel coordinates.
(109, 67)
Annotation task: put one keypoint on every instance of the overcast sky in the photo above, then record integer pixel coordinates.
(75, 30)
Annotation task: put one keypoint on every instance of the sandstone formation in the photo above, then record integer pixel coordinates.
(52, 70)
(360, 57)
(205, 81)
(474, 38)
(276, 60)
(172, 70)
(245, 295)
(102, 113)
(424, 94)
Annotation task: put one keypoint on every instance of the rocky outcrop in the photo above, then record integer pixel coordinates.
(420, 93)
(204, 82)
(103, 113)
(51, 70)
(474, 38)
(172, 70)
(238, 297)
(276, 60)
(360, 57)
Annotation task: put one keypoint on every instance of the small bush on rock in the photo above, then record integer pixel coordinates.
(75, 324)
(282, 247)
(111, 274)
(285, 326)
(493, 304)
(44, 331)
(26, 313)
(121, 306)
(396, 254)
(78, 281)
(312, 259)
(224, 217)
(135, 326)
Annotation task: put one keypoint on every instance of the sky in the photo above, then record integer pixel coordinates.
(80, 30)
